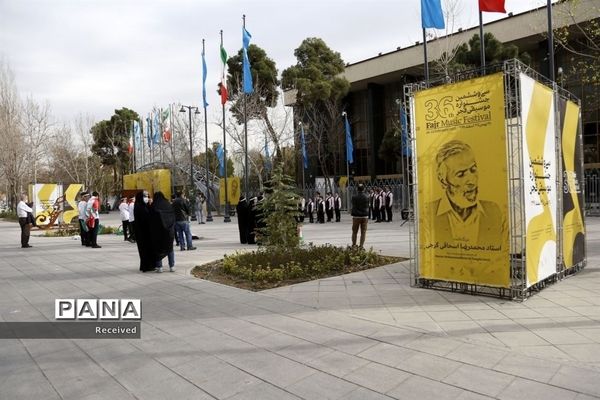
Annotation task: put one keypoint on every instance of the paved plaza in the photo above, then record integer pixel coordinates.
(366, 335)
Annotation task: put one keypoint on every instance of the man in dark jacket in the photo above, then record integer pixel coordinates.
(360, 215)
(182, 225)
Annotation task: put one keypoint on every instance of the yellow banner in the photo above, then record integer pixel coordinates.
(233, 190)
(462, 182)
(156, 180)
(573, 221)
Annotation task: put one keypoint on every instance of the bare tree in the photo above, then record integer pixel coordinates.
(37, 129)
(448, 45)
(13, 154)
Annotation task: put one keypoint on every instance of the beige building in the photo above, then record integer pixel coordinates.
(377, 83)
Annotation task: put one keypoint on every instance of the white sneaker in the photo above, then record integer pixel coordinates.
(158, 270)
(171, 269)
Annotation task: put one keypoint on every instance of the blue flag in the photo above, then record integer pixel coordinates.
(304, 157)
(137, 133)
(405, 142)
(247, 78)
(349, 147)
(149, 130)
(431, 14)
(156, 128)
(204, 79)
(221, 157)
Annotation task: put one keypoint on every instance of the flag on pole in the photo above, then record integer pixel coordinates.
(166, 123)
(221, 157)
(304, 157)
(349, 147)
(130, 144)
(137, 133)
(247, 78)
(156, 127)
(204, 77)
(431, 14)
(405, 143)
(223, 83)
(149, 130)
(492, 6)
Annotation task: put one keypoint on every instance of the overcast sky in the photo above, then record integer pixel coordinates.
(92, 56)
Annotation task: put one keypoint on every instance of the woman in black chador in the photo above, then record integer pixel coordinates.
(242, 214)
(143, 235)
(163, 231)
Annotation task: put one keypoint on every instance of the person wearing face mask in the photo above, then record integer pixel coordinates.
(459, 215)
(143, 231)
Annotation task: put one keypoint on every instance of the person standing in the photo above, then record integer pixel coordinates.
(124, 213)
(24, 221)
(182, 225)
(389, 202)
(371, 204)
(382, 209)
(131, 208)
(93, 221)
(310, 209)
(360, 215)
(162, 223)
(143, 232)
(83, 228)
(242, 211)
(329, 207)
(320, 209)
(337, 206)
(200, 207)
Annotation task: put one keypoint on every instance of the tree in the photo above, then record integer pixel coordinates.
(213, 161)
(390, 148)
(111, 138)
(467, 55)
(279, 209)
(38, 133)
(580, 40)
(319, 93)
(13, 153)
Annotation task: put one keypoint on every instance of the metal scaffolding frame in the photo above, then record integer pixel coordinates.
(518, 290)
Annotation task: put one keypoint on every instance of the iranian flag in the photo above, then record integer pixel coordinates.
(166, 123)
(223, 83)
(130, 145)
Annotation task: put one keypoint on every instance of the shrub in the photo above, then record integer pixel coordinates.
(277, 264)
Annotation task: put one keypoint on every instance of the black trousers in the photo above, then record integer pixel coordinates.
(338, 215)
(388, 211)
(93, 233)
(25, 228)
(125, 225)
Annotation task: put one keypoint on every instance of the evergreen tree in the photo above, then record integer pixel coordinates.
(279, 209)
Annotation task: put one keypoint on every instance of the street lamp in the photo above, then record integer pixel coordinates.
(189, 109)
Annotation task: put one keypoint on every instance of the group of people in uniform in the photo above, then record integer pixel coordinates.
(381, 201)
(323, 207)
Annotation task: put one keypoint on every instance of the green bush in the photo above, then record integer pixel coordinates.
(275, 264)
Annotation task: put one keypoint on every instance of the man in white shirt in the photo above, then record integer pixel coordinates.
(22, 210)
(124, 213)
(93, 212)
(131, 219)
(389, 203)
(81, 208)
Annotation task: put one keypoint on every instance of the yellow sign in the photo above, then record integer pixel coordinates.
(573, 224)
(156, 180)
(233, 190)
(462, 182)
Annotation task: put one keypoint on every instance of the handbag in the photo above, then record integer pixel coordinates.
(90, 222)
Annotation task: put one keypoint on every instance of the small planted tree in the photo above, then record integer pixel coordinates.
(278, 209)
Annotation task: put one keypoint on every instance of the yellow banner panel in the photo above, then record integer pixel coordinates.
(462, 193)
(233, 190)
(573, 215)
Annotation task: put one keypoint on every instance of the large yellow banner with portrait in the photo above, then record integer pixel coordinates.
(233, 190)
(462, 193)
